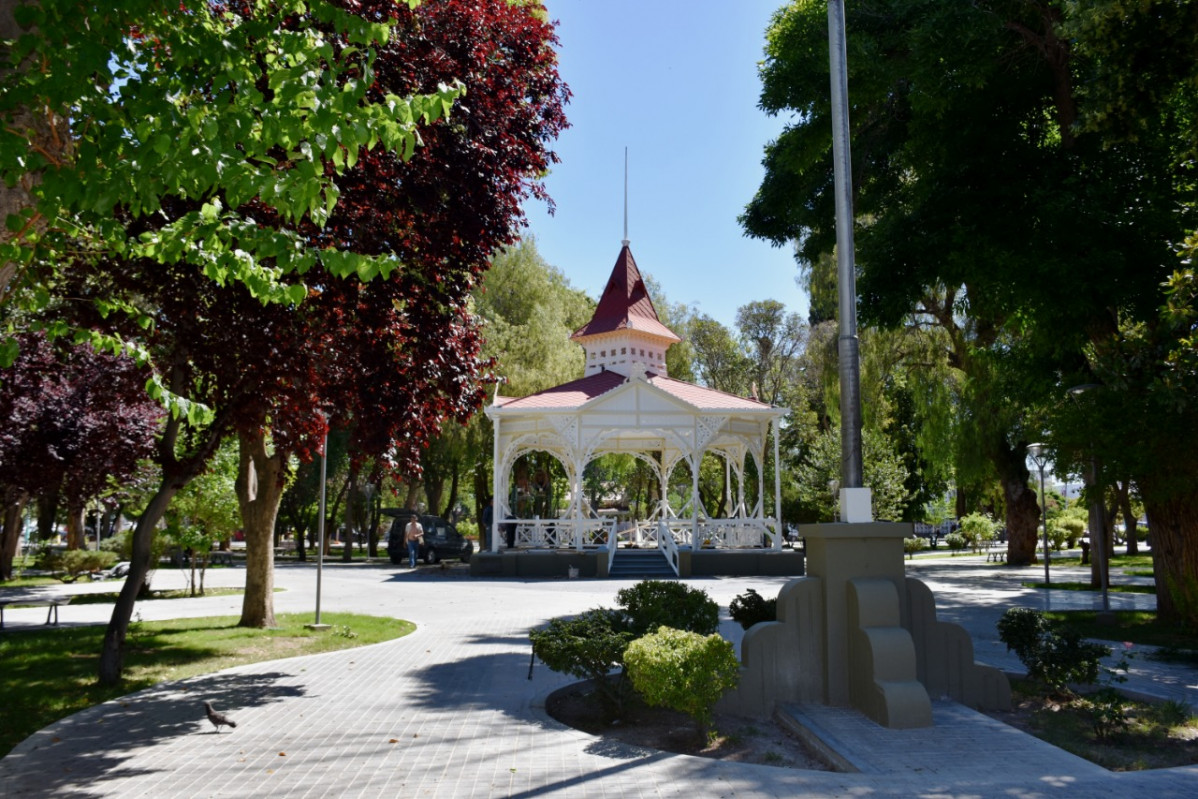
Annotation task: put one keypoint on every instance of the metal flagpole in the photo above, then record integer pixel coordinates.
(850, 375)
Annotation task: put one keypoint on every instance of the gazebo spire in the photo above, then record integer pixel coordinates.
(625, 328)
(625, 241)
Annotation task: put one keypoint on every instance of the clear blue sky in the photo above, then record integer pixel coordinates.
(674, 81)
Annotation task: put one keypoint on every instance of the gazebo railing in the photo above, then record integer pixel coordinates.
(561, 533)
(668, 546)
(737, 533)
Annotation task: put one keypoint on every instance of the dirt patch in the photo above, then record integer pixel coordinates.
(1149, 742)
(733, 738)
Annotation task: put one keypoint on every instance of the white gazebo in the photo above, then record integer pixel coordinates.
(627, 403)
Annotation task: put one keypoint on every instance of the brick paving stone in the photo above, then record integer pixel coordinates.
(450, 711)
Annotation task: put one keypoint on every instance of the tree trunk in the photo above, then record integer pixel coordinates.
(10, 535)
(1173, 530)
(1023, 518)
(332, 511)
(301, 542)
(454, 479)
(76, 527)
(1130, 527)
(259, 490)
(433, 489)
(352, 506)
(47, 515)
(376, 515)
(113, 648)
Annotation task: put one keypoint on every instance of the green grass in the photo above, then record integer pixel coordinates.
(110, 597)
(1137, 627)
(1113, 588)
(1157, 735)
(49, 674)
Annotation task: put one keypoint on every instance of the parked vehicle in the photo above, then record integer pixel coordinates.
(441, 539)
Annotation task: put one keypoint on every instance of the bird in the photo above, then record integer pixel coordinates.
(216, 718)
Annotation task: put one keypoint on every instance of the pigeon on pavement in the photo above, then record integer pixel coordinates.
(216, 718)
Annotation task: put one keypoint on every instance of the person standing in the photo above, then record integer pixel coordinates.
(487, 522)
(414, 535)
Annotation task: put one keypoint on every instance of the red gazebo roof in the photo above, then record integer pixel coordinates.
(625, 304)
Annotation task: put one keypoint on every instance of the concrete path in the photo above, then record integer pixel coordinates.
(451, 711)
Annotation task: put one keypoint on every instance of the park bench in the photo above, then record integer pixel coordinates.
(996, 551)
(52, 603)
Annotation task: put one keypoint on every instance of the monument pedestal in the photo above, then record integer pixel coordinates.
(858, 632)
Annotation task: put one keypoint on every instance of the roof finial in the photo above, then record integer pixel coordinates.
(625, 241)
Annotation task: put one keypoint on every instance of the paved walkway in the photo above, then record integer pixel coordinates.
(451, 711)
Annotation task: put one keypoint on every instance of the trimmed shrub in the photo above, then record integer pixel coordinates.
(682, 670)
(72, 564)
(1058, 535)
(589, 646)
(913, 545)
(1074, 528)
(955, 542)
(664, 603)
(752, 608)
(978, 530)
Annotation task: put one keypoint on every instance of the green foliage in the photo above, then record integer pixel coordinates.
(1058, 535)
(956, 542)
(1108, 710)
(1071, 527)
(913, 545)
(682, 670)
(1057, 657)
(884, 474)
(529, 310)
(589, 646)
(978, 529)
(207, 506)
(72, 564)
(655, 603)
(182, 110)
(752, 608)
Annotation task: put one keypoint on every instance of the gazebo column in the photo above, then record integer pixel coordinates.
(496, 471)
(576, 466)
(728, 481)
(778, 530)
(694, 461)
(740, 485)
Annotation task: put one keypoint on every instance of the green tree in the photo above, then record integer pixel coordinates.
(772, 339)
(528, 311)
(720, 362)
(163, 100)
(941, 93)
(819, 464)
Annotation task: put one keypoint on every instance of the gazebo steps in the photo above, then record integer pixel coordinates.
(647, 563)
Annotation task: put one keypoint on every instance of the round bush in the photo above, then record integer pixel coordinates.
(682, 670)
(656, 603)
(752, 608)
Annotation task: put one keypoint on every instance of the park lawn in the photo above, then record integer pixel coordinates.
(1114, 588)
(51, 673)
(1136, 627)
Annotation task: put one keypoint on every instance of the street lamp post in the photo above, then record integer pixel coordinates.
(324, 463)
(1039, 456)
